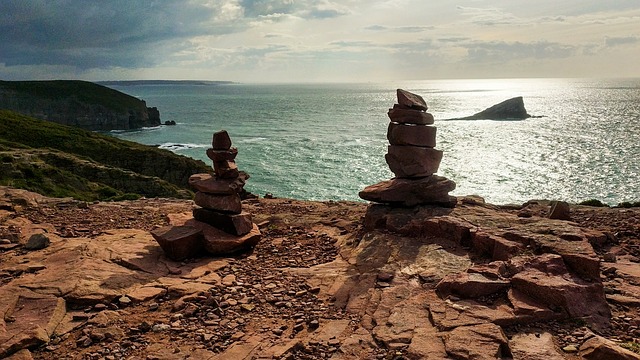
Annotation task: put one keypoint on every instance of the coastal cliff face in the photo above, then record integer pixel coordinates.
(77, 103)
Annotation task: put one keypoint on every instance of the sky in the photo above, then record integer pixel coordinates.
(288, 41)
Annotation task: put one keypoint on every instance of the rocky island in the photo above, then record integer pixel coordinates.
(77, 103)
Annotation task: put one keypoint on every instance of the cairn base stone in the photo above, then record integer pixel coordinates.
(223, 203)
(235, 224)
(179, 242)
(409, 116)
(413, 161)
(415, 135)
(212, 185)
(218, 242)
(431, 190)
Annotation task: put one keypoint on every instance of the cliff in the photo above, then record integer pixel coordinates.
(58, 160)
(77, 103)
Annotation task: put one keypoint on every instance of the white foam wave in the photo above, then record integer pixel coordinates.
(176, 147)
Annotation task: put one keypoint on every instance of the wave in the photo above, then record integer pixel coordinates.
(251, 140)
(177, 147)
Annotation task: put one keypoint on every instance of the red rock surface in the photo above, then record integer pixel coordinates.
(322, 283)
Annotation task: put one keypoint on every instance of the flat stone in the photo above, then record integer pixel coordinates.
(35, 321)
(221, 140)
(212, 185)
(411, 100)
(416, 135)
(534, 347)
(222, 155)
(226, 169)
(470, 285)
(236, 224)
(23, 354)
(410, 192)
(413, 161)
(478, 342)
(223, 203)
(410, 116)
(179, 242)
(554, 286)
(218, 242)
(599, 348)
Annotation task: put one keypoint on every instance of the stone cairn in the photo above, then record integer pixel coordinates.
(413, 159)
(219, 226)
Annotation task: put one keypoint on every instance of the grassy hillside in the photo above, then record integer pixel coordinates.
(58, 160)
(83, 91)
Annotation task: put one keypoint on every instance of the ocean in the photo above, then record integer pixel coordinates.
(328, 141)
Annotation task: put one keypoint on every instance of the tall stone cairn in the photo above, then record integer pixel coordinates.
(413, 158)
(219, 225)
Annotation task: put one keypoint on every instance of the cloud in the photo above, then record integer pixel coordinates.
(102, 34)
(616, 41)
(400, 29)
(499, 51)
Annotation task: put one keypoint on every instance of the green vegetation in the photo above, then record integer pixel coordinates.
(61, 161)
(627, 204)
(593, 202)
(632, 346)
(83, 91)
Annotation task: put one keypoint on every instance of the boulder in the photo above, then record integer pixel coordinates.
(411, 100)
(221, 140)
(212, 185)
(416, 135)
(223, 203)
(410, 116)
(413, 161)
(179, 242)
(511, 109)
(560, 210)
(37, 242)
(236, 224)
(410, 192)
(222, 155)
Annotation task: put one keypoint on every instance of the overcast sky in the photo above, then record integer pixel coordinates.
(318, 40)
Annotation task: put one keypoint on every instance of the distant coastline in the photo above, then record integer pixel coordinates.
(162, 82)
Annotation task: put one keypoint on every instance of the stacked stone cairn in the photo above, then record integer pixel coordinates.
(219, 226)
(413, 159)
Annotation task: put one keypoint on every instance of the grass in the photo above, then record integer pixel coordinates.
(83, 91)
(61, 161)
(631, 346)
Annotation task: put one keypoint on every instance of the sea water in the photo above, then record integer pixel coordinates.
(328, 141)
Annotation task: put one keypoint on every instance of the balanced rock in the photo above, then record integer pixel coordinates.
(413, 161)
(226, 169)
(223, 203)
(221, 140)
(236, 224)
(218, 242)
(222, 155)
(411, 192)
(212, 185)
(399, 134)
(410, 100)
(409, 116)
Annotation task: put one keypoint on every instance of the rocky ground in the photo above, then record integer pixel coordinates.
(329, 280)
